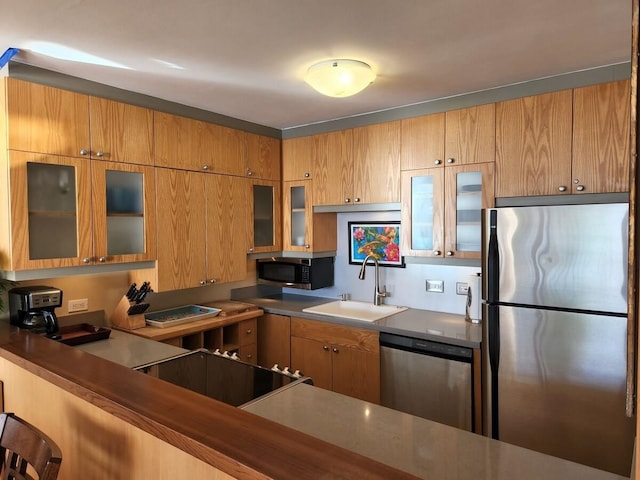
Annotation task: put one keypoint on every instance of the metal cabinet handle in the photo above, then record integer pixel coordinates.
(562, 188)
(86, 260)
(306, 175)
(205, 167)
(450, 160)
(324, 347)
(249, 331)
(212, 281)
(84, 152)
(335, 350)
(306, 245)
(347, 200)
(203, 283)
(356, 200)
(251, 249)
(249, 355)
(437, 253)
(437, 162)
(249, 173)
(99, 153)
(449, 253)
(102, 259)
(580, 188)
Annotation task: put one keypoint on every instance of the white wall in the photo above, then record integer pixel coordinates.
(405, 285)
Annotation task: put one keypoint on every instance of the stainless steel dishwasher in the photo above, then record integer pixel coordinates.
(427, 379)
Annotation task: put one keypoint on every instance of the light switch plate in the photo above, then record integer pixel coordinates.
(435, 286)
(462, 288)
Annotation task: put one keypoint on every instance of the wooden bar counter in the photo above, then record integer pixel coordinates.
(113, 422)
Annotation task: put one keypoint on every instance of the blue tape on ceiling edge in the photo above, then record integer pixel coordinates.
(8, 55)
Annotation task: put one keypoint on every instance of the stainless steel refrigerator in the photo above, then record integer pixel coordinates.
(554, 331)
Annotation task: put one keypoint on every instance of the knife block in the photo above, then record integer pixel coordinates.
(123, 320)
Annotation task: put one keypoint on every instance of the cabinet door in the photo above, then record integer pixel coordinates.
(533, 145)
(274, 340)
(265, 216)
(423, 142)
(356, 373)
(297, 222)
(189, 144)
(333, 169)
(423, 212)
(226, 228)
(470, 135)
(297, 157)
(468, 189)
(601, 138)
(313, 359)
(376, 159)
(47, 120)
(121, 132)
(263, 157)
(50, 211)
(181, 217)
(124, 212)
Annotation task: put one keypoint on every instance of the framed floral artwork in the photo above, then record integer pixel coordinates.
(380, 239)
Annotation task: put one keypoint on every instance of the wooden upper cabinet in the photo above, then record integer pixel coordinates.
(48, 120)
(423, 142)
(533, 145)
(470, 135)
(181, 220)
(376, 160)
(263, 158)
(264, 216)
(121, 132)
(298, 155)
(333, 168)
(601, 138)
(189, 144)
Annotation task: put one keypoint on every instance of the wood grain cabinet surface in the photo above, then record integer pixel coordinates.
(298, 156)
(339, 358)
(274, 340)
(263, 157)
(200, 219)
(456, 137)
(333, 168)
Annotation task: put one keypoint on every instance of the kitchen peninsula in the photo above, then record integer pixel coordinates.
(151, 429)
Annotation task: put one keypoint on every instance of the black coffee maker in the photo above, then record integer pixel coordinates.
(34, 307)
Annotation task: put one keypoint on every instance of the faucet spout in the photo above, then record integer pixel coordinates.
(377, 293)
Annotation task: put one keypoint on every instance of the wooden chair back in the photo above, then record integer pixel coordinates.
(21, 445)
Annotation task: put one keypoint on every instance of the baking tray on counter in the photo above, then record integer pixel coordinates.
(82, 333)
(178, 315)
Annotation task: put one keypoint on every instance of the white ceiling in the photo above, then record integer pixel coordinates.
(246, 59)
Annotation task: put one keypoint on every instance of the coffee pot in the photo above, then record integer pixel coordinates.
(34, 307)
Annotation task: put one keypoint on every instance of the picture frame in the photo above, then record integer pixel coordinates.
(382, 239)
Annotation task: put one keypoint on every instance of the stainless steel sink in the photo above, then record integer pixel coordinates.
(365, 311)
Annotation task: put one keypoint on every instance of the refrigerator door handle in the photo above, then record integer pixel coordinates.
(493, 259)
(494, 363)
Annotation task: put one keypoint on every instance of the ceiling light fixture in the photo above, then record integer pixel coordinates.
(340, 78)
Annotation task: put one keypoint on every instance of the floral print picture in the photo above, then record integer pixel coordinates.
(380, 239)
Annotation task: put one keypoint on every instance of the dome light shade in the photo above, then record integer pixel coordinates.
(340, 78)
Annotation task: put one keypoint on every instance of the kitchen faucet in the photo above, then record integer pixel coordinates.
(377, 294)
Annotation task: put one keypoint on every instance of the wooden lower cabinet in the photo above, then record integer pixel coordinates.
(274, 340)
(339, 358)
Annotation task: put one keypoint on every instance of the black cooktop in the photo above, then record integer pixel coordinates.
(220, 377)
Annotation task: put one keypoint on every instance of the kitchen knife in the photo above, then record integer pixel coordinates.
(138, 308)
(131, 293)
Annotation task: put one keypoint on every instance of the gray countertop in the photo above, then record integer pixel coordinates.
(421, 447)
(425, 324)
(130, 350)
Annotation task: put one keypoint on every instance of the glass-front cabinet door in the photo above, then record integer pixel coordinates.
(124, 213)
(469, 189)
(422, 212)
(50, 211)
(265, 216)
(297, 216)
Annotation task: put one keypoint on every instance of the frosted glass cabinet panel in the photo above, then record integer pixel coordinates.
(50, 211)
(422, 215)
(298, 216)
(124, 212)
(51, 200)
(265, 217)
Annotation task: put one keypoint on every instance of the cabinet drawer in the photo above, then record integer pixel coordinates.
(248, 332)
(359, 338)
(248, 353)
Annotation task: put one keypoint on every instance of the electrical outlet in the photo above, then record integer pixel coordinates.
(462, 288)
(78, 305)
(435, 286)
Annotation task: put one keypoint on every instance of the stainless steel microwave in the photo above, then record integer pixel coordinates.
(305, 273)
